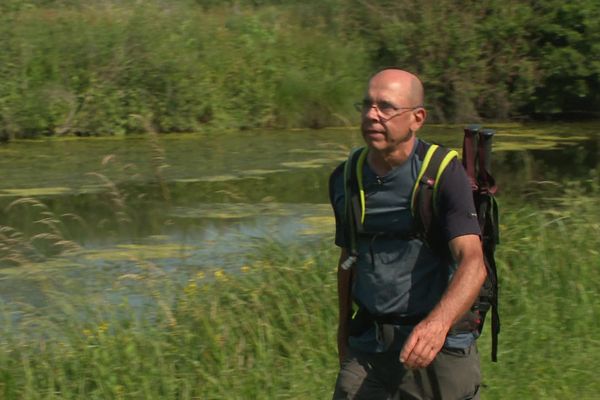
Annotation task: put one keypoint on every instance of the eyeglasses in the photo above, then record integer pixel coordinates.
(384, 109)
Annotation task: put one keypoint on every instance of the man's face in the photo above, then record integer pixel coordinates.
(388, 117)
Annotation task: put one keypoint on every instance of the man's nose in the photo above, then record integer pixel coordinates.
(373, 112)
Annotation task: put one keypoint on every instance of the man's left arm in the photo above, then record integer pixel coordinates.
(428, 337)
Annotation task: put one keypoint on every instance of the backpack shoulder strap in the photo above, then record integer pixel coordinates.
(424, 196)
(354, 196)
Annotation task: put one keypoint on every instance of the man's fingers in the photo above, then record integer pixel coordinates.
(422, 345)
(408, 347)
(416, 357)
(418, 352)
(425, 358)
(412, 351)
(420, 359)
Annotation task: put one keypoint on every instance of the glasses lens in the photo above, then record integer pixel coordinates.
(384, 108)
(364, 106)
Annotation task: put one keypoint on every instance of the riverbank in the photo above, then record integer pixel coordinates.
(267, 331)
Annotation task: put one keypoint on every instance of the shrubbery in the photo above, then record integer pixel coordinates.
(89, 68)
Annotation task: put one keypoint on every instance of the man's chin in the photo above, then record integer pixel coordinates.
(375, 141)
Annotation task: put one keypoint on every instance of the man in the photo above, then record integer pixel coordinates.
(401, 343)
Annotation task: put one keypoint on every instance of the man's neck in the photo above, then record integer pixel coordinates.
(383, 161)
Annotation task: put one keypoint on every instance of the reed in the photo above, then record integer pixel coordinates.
(267, 330)
(47, 237)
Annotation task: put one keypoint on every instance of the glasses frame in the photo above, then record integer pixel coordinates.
(363, 108)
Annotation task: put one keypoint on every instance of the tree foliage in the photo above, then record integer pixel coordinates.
(93, 67)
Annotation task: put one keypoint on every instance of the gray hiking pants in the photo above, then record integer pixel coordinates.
(453, 375)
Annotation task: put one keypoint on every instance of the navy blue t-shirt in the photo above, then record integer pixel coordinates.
(394, 275)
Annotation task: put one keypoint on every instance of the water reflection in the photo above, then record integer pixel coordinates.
(215, 200)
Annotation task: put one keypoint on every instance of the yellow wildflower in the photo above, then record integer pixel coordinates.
(103, 327)
(220, 276)
(308, 264)
(190, 288)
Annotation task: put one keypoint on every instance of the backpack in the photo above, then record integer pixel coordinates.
(476, 160)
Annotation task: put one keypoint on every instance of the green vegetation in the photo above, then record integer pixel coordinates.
(549, 283)
(103, 67)
(267, 330)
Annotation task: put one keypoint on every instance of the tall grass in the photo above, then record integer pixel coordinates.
(48, 234)
(261, 334)
(36, 231)
(550, 282)
(267, 330)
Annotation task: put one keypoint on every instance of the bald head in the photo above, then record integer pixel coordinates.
(392, 112)
(403, 83)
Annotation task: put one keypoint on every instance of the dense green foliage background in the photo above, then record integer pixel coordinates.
(113, 66)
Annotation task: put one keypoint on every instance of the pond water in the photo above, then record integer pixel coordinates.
(95, 210)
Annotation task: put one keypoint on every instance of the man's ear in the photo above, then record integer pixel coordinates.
(419, 117)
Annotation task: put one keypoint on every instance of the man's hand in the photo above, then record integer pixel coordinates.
(429, 335)
(424, 343)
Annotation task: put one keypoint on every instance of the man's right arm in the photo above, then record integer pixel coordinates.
(344, 279)
(344, 276)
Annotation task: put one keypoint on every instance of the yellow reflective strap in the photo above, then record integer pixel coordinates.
(359, 178)
(426, 161)
(451, 154)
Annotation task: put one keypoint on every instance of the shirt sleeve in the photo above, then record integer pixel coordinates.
(456, 208)
(336, 198)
